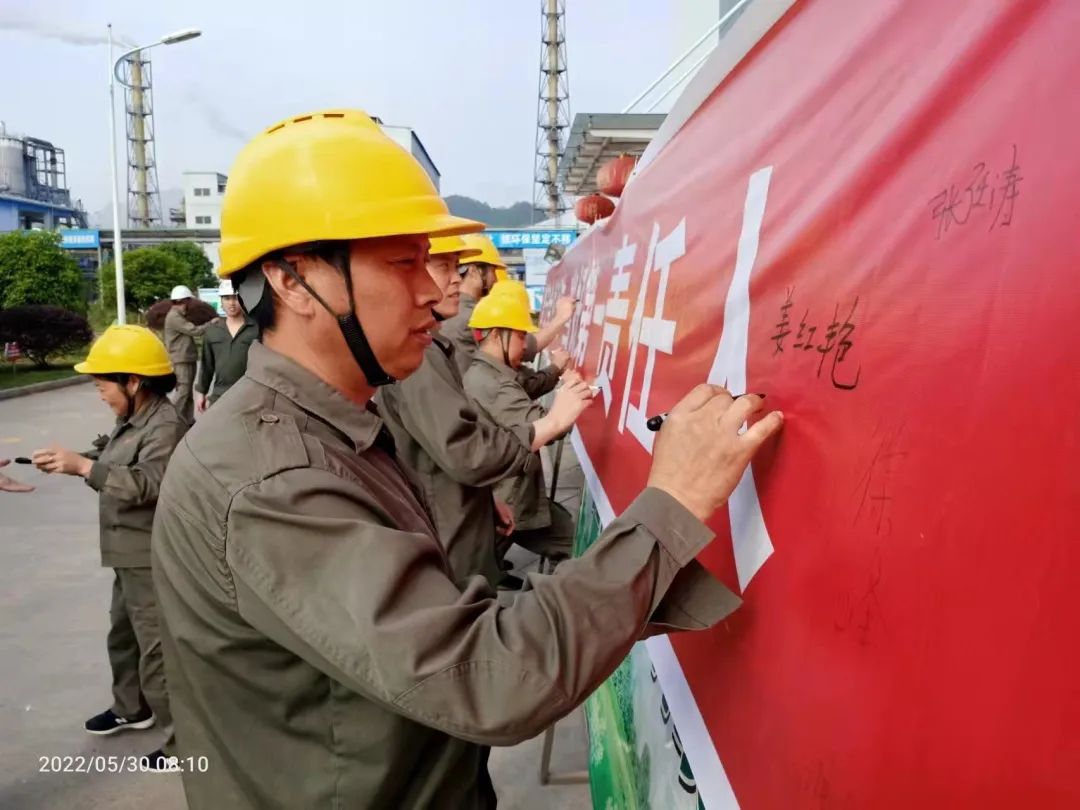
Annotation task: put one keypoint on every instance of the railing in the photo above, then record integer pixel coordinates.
(685, 75)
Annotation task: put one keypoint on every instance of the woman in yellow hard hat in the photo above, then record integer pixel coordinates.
(133, 375)
(501, 322)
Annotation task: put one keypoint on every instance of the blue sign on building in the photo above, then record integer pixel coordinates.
(80, 239)
(531, 239)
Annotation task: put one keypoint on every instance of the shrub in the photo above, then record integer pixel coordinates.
(150, 273)
(199, 312)
(43, 332)
(35, 270)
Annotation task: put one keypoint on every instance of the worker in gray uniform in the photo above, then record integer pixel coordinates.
(180, 334)
(479, 277)
(319, 651)
(133, 375)
(456, 453)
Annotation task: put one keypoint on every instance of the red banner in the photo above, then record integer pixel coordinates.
(875, 220)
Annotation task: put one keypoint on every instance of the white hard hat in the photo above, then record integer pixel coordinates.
(226, 287)
(180, 292)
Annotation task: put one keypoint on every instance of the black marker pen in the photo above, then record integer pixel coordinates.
(654, 423)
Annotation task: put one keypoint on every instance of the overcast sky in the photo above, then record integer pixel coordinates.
(463, 74)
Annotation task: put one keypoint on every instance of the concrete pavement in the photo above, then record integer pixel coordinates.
(54, 599)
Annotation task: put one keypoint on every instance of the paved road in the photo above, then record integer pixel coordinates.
(54, 599)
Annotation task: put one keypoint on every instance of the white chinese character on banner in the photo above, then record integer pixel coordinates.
(581, 322)
(612, 315)
(558, 290)
(751, 542)
(546, 238)
(565, 238)
(655, 332)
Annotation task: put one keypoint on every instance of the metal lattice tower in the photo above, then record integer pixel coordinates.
(552, 109)
(144, 197)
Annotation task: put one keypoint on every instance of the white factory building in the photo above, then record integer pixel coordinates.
(204, 191)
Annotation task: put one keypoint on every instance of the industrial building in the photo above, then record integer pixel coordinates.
(203, 194)
(407, 138)
(33, 186)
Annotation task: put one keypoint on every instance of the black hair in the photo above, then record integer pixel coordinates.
(158, 386)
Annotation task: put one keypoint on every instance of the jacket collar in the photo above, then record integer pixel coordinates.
(142, 417)
(309, 393)
(444, 343)
(467, 305)
(500, 368)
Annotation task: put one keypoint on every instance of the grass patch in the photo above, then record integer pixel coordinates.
(102, 317)
(25, 373)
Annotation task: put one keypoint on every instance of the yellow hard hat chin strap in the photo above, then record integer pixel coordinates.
(505, 340)
(348, 323)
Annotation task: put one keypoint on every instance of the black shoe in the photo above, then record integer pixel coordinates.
(511, 583)
(108, 722)
(159, 763)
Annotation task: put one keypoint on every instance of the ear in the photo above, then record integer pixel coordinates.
(289, 292)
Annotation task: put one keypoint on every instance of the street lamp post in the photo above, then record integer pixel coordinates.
(114, 67)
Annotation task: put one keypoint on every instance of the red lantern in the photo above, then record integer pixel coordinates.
(594, 207)
(612, 177)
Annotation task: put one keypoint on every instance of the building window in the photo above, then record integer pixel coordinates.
(202, 220)
(202, 192)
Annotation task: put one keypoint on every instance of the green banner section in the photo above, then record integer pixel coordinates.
(636, 759)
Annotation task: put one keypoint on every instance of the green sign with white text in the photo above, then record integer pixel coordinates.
(636, 759)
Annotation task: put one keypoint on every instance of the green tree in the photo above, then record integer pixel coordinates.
(149, 275)
(200, 269)
(35, 270)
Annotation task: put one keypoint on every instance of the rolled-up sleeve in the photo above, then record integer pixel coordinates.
(318, 570)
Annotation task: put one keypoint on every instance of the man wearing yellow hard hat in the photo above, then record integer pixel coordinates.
(457, 454)
(502, 322)
(134, 375)
(480, 274)
(318, 649)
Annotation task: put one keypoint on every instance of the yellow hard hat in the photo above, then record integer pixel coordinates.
(513, 288)
(441, 245)
(501, 275)
(328, 176)
(127, 350)
(504, 311)
(488, 253)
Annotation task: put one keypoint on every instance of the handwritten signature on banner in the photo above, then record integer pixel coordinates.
(837, 340)
(957, 205)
